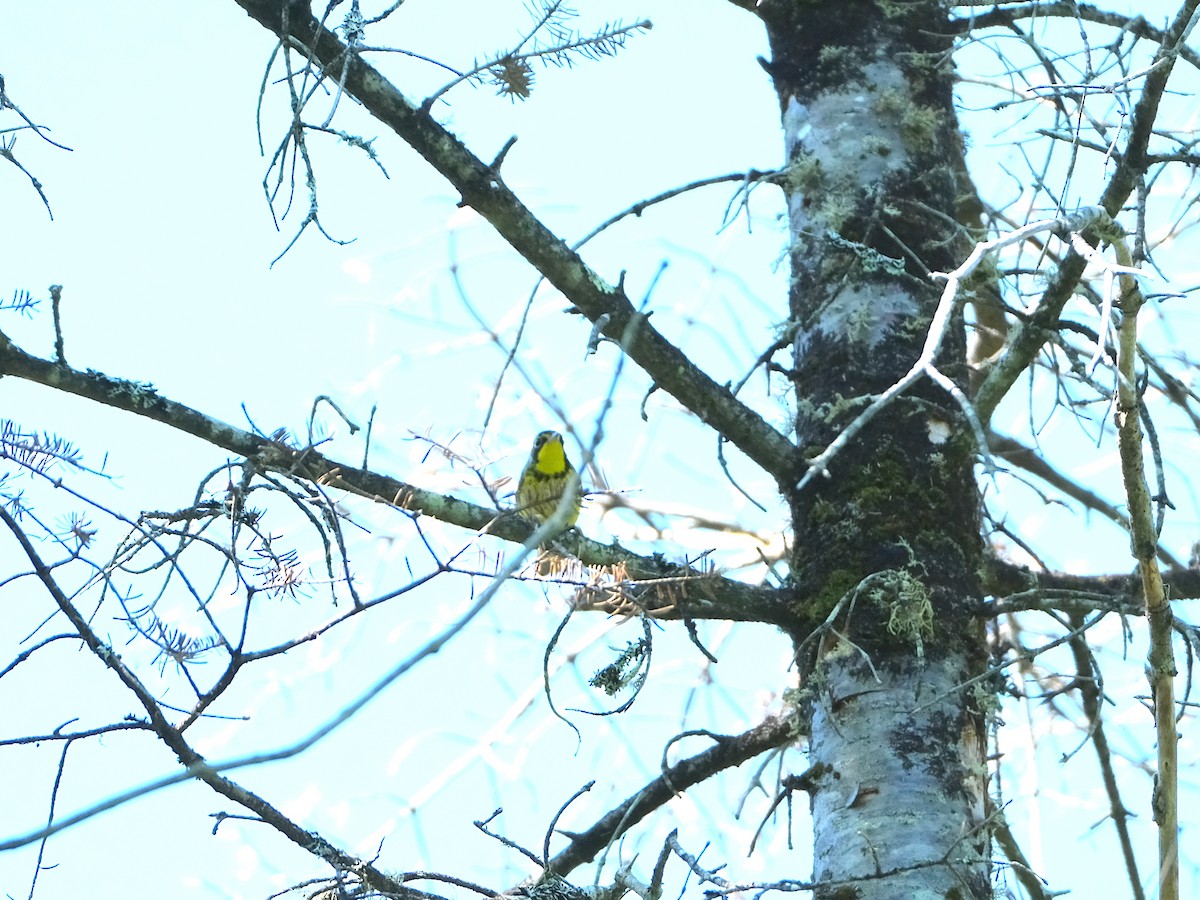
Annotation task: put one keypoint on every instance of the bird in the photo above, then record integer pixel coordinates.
(545, 478)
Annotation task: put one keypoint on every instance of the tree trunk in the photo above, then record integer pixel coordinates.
(892, 535)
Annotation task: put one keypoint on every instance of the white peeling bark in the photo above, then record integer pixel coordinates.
(903, 796)
(896, 727)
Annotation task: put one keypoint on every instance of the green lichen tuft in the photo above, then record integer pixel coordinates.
(910, 610)
(804, 175)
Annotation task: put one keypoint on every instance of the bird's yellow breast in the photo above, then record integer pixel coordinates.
(551, 459)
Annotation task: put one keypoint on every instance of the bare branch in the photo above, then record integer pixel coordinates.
(728, 752)
(483, 189)
(1032, 334)
(707, 594)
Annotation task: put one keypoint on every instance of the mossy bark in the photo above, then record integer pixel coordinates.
(875, 183)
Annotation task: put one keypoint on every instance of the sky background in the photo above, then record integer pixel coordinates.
(164, 244)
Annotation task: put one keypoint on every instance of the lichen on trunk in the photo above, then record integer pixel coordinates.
(874, 181)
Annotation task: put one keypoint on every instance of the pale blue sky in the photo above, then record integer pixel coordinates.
(163, 242)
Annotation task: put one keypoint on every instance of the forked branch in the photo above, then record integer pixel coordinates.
(483, 189)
